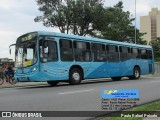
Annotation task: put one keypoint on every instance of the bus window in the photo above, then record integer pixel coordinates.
(66, 50)
(130, 50)
(134, 53)
(150, 54)
(112, 53)
(82, 51)
(144, 54)
(98, 52)
(139, 53)
(48, 51)
(124, 53)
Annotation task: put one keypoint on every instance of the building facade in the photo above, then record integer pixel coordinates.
(5, 60)
(150, 24)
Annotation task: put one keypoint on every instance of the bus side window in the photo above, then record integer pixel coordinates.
(52, 51)
(139, 53)
(150, 56)
(134, 53)
(66, 50)
(82, 51)
(112, 53)
(98, 52)
(130, 51)
(144, 54)
(124, 53)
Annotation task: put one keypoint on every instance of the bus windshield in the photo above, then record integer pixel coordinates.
(26, 54)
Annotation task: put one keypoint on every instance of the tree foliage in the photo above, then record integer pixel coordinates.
(70, 16)
(89, 17)
(118, 26)
(156, 47)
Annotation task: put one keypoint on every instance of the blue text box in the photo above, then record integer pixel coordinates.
(120, 93)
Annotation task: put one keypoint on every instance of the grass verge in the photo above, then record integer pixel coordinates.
(154, 106)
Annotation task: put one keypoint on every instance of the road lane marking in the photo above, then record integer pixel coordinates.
(75, 92)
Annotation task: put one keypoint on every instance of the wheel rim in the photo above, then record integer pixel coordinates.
(136, 73)
(12, 81)
(76, 76)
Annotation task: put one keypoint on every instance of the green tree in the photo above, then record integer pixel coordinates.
(139, 39)
(70, 16)
(156, 47)
(117, 25)
(89, 17)
(53, 14)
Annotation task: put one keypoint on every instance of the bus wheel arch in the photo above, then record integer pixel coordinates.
(76, 74)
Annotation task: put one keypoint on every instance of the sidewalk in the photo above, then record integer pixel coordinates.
(21, 84)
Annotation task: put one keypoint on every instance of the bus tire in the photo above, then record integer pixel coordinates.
(116, 78)
(52, 83)
(75, 76)
(136, 74)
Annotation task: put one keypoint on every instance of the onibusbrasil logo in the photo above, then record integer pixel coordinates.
(110, 91)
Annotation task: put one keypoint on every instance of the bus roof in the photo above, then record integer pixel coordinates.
(90, 39)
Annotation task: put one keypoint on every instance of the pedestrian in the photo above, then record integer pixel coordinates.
(7, 72)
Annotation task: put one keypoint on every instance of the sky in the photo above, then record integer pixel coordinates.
(17, 18)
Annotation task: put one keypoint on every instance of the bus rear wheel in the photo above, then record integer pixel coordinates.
(52, 83)
(116, 78)
(136, 73)
(75, 76)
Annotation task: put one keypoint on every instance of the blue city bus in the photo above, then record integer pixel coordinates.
(57, 57)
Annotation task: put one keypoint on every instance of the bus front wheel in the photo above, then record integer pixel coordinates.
(136, 73)
(52, 83)
(75, 76)
(116, 78)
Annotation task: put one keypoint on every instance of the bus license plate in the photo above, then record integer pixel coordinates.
(23, 79)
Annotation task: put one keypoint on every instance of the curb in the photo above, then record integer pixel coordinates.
(22, 84)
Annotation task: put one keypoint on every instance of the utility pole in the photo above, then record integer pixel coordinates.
(135, 23)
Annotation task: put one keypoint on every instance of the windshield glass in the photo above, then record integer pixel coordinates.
(26, 54)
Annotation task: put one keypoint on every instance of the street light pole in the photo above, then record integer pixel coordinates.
(135, 23)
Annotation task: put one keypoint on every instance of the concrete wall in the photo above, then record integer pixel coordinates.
(157, 67)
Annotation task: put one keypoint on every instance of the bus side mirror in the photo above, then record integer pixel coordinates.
(10, 48)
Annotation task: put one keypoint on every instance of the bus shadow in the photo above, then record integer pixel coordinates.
(84, 82)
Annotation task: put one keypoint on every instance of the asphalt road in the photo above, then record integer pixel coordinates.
(83, 97)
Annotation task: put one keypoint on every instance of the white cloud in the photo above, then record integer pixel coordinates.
(6, 4)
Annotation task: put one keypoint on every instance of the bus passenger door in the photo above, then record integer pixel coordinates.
(150, 61)
(48, 58)
(113, 61)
